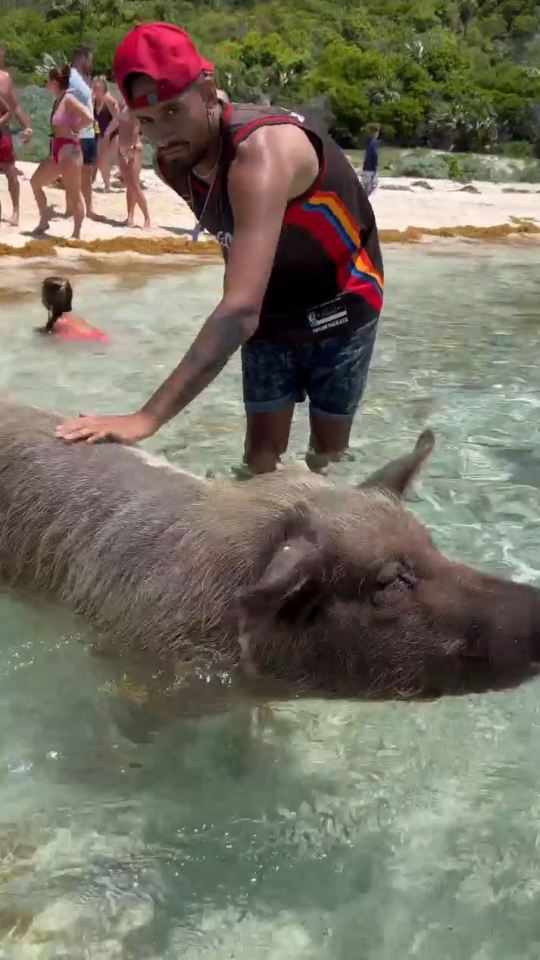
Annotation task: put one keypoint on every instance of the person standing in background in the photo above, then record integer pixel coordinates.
(7, 153)
(130, 161)
(371, 159)
(5, 117)
(68, 117)
(79, 86)
(106, 110)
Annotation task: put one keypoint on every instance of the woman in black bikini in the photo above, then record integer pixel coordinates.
(105, 112)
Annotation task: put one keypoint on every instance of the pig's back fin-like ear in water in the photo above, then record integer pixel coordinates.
(397, 475)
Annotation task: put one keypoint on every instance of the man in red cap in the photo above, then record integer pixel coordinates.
(303, 270)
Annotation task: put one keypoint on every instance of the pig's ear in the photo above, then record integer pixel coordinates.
(290, 582)
(398, 475)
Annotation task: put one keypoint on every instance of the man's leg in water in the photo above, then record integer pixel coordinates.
(271, 389)
(336, 380)
(267, 437)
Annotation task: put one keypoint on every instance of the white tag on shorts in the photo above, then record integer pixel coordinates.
(328, 315)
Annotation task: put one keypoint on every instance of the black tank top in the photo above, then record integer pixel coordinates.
(328, 254)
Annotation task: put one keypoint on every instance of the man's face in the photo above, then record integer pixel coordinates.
(87, 63)
(179, 127)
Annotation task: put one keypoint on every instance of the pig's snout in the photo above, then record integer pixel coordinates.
(502, 632)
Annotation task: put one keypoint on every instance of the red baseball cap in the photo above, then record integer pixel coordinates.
(163, 52)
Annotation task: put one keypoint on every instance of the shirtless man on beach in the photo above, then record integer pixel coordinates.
(7, 153)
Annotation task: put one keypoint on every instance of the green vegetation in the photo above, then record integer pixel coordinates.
(454, 73)
(465, 167)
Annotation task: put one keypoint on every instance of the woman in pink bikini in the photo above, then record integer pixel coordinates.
(57, 298)
(130, 163)
(68, 117)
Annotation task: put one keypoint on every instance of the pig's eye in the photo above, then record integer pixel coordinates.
(393, 580)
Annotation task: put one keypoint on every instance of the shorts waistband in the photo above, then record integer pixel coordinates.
(316, 321)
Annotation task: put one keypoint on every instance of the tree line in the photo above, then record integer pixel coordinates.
(461, 74)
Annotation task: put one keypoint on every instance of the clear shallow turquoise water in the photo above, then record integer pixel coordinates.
(312, 831)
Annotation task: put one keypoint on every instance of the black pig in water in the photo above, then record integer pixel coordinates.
(339, 590)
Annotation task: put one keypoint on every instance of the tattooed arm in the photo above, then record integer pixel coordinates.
(220, 337)
(269, 168)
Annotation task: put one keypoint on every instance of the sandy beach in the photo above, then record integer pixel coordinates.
(405, 209)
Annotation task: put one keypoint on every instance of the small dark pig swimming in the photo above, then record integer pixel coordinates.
(338, 590)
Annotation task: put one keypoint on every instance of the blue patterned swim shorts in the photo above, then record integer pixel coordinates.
(332, 372)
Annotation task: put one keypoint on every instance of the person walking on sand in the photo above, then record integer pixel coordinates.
(130, 163)
(5, 117)
(79, 87)
(7, 153)
(66, 159)
(303, 282)
(106, 110)
(371, 159)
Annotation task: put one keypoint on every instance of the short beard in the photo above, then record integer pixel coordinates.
(184, 166)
